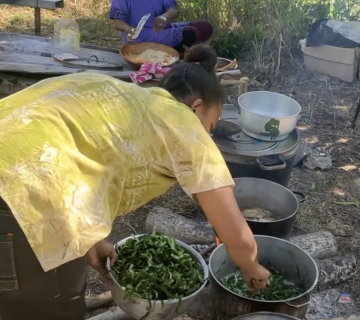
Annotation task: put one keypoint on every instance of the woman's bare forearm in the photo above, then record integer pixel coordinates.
(223, 213)
(122, 26)
(171, 15)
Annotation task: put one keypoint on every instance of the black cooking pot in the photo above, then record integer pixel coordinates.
(250, 158)
(264, 194)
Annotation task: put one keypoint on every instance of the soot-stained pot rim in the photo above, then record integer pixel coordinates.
(278, 185)
(265, 301)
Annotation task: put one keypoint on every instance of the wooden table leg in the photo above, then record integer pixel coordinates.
(37, 22)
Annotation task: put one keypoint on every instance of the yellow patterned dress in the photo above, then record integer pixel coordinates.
(79, 150)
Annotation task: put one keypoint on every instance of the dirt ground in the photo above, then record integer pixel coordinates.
(333, 196)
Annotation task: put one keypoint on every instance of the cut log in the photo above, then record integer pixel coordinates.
(319, 245)
(99, 301)
(113, 314)
(179, 227)
(335, 270)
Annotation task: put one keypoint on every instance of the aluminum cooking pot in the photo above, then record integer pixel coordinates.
(272, 252)
(267, 116)
(164, 310)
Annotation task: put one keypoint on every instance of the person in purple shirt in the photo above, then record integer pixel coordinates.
(161, 26)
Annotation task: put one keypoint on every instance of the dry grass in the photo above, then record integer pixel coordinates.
(95, 26)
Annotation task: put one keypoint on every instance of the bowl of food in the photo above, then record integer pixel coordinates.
(156, 277)
(136, 54)
(224, 64)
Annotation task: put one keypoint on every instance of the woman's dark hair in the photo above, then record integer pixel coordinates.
(194, 79)
(201, 53)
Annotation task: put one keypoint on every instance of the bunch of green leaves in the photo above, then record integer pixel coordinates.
(278, 288)
(155, 267)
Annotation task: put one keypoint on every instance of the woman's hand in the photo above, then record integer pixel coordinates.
(97, 256)
(130, 33)
(160, 23)
(223, 213)
(255, 277)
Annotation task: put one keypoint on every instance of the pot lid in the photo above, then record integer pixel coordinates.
(92, 62)
(243, 145)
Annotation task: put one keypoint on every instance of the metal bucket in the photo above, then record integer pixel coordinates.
(278, 253)
(164, 310)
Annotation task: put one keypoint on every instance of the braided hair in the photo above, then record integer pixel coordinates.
(195, 79)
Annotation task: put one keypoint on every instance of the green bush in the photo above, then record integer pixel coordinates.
(264, 30)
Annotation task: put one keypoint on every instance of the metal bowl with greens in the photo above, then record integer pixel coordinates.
(278, 288)
(156, 276)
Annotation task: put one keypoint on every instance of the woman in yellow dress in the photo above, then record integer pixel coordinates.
(79, 150)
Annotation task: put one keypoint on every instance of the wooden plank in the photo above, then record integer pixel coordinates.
(46, 42)
(50, 4)
(54, 70)
(33, 45)
(5, 36)
(23, 3)
(45, 4)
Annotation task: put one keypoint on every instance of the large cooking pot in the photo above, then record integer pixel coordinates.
(249, 157)
(272, 252)
(266, 115)
(264, 194)
(265, 316)
(165, 310)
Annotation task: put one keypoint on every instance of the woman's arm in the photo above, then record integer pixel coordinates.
(170, 10)
(223, 213)
(120, 13)
(171, 15)
(122, 26)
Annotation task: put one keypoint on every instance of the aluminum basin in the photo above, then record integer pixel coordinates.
(164, 310)
(278, 253)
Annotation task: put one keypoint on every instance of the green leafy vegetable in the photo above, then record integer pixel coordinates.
(277, 288)
(155, 267)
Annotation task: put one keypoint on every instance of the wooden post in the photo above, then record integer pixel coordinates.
(37, 22)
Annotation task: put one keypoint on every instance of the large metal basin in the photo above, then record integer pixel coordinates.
(268, 115)
(281, 255)
(164, 310)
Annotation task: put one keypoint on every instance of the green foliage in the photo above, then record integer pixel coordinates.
(265, 29)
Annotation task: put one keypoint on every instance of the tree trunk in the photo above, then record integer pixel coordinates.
(319, 245)
(99, 301)
(335, 270)
(179, 227)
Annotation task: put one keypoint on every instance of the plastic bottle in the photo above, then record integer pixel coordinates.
(66, 35)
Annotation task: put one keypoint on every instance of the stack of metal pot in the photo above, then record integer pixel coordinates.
(260, 158)
(267, 142)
